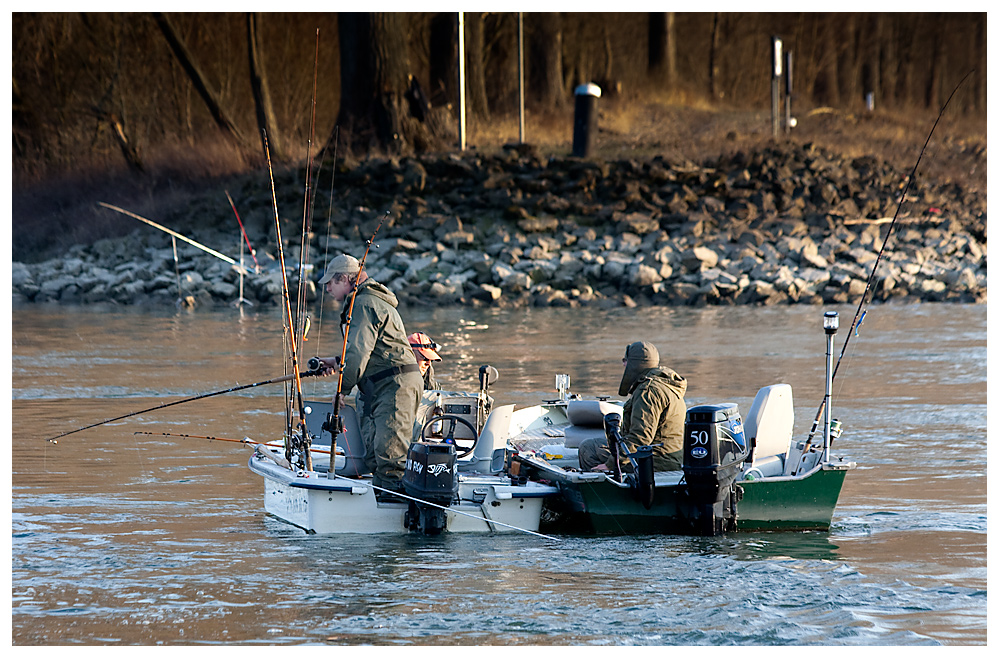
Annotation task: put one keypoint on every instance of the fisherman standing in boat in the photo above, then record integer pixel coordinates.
(425, 351)
(380, 362)
(653, 415)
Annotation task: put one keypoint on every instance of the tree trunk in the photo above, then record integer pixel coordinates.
(846, 46)
(475, 74)
(713, 58)
(546, 64)
(873, 51)
(443, 55)
(671, 76)
(187, 62)
(938, 63)
(266, 122)
(889, 63)
(826, 84)
(374, 75)
(657, 48)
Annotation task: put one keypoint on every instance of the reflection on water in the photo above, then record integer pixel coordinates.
(120, 538)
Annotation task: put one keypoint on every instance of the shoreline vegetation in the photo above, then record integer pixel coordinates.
(675, 207)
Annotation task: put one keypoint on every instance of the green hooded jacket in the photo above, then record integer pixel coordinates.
(377, 337)
(655, 414)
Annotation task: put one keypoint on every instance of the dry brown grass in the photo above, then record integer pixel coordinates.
(51, 215)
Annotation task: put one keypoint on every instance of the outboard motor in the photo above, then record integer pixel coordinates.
(714, 449)
(432, 476)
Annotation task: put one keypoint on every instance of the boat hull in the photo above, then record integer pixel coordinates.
(804, 502)
(321, 505)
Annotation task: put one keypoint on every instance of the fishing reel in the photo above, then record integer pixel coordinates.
(299, 445)
(315, 364)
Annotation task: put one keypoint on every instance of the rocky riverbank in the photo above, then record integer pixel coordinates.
(780, 225)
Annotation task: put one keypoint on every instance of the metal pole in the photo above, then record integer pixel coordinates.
(461, 79)
(830, 323)
(520, 69)
(775, 86)
(787, 93)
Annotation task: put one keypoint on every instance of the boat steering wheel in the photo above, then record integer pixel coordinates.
(462, 446)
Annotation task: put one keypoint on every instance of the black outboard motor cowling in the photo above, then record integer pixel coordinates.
(432, 476)
(714, 449)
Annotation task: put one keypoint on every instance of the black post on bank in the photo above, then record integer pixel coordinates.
(585, 123)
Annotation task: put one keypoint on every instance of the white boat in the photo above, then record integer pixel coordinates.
(455, 479)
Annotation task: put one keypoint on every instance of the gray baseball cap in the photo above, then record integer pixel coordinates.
(342, 264)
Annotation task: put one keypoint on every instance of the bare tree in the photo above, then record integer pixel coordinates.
(475, 65)
(662, 48)
(374, 75)
(546, 65)
(714, 59)
(198, 79)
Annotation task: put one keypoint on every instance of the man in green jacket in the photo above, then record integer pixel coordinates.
(380, 363)
(653, 415)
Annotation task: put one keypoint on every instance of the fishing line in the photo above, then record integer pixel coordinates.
(274, 380)
(245, 440)
(329, 232)
(305, 243)
(854, 325)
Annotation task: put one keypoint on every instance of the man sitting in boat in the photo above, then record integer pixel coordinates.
(380, 362)
(425, 351)
(653, 415)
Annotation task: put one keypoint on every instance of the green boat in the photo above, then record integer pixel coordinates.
(737, 474)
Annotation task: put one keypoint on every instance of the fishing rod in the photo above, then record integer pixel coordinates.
(274, 380)
(305, 242)
(289, 327)
(329, 223)
(171, 232)
(245, 440)
(253, 252)
(334, 423)
(859, 315)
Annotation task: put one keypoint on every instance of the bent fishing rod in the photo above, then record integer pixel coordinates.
(175, 234)
(274, 380)
(334, 423)
(859, 315)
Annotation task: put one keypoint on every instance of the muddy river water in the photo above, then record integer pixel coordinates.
(120, 538)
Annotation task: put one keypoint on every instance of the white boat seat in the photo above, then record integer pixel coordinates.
(767, 467)
(770, 424)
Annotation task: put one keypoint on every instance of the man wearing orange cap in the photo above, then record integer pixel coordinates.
(425, 351)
